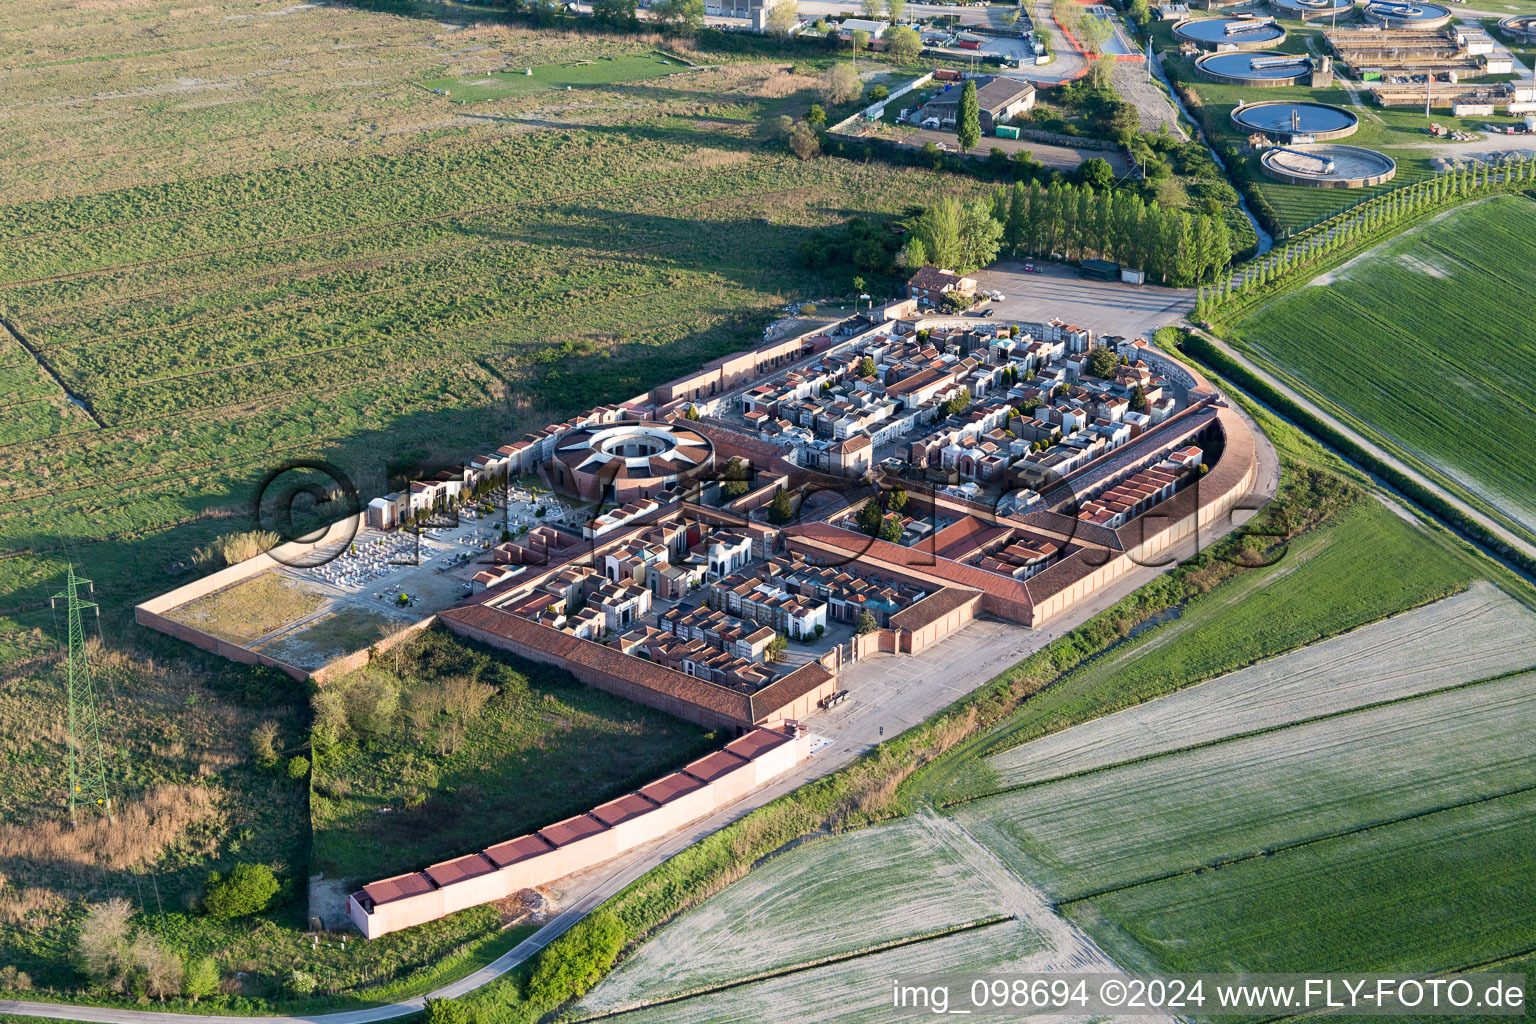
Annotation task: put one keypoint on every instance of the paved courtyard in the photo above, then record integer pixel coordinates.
(1109, 307)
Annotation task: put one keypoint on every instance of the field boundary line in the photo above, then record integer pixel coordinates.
(13, 331)
(1438, 504)
(1294, 845)
(1384, 440)
(1325, 716)
(800, 968)
(1518, 954)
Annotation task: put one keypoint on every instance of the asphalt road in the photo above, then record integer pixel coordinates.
(888, 695)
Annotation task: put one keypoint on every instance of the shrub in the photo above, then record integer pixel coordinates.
(446, 1011)
(12, 980)
(298, 767)
(246, 890)
(201, 978)
(573, 963)
(264, 743)
(118, 961)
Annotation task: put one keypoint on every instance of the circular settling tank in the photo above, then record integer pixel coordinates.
(1392, 14)
(1309, 10)
(1230, 33)
(1520, 27)
(1328, 166)
(1287, 122)
(1261, 70)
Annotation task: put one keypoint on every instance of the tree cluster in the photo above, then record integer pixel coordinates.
(1170, 245)
(953, 235)
(860, 245)
(118, 958)
(1102, 362)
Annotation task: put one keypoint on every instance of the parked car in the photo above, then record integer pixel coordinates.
(1030, 268)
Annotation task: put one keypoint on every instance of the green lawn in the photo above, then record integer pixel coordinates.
(1427, 341)
(612, 70)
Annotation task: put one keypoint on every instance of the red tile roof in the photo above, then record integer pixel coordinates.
(450, 871)
(398, 888)
(631, 805)
(516, 850)
(715, 765)
(933, 607)
(667, 789)
(756, 743)
(578, 652)
(563, 833)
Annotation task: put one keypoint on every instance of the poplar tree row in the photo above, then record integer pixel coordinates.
(1363, 222)
(1074, 221)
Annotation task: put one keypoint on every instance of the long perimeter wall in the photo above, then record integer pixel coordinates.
(621, 825)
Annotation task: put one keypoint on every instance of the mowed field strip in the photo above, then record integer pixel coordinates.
(1246, 796)
(828, 897)
(1438, 892)
(834, 897)
(1430, 329)
(853, 991)
(1474, 635)
(567, 75)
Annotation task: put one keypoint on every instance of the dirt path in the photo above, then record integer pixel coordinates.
(1073, 950)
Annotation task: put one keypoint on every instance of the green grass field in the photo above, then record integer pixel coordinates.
(1389, 564)
(1439, 892)
(499, 85)
(251, 608)
(481, 748)
(1238, 798)
(1424, 340)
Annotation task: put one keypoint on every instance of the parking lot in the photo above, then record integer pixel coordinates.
(1110, 307)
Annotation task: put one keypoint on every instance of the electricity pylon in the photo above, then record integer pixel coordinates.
(87, 767)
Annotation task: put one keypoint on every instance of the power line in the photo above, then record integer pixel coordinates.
(87, 767)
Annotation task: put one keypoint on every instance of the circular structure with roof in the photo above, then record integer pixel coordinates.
(1295, 122)
(1262, 70)
(1393, 14)
(1311, 10)
(1328, 166)
(634, 459)
(1230, 33)
(1520, 27)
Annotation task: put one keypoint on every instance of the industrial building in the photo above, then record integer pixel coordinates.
(999, 100)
